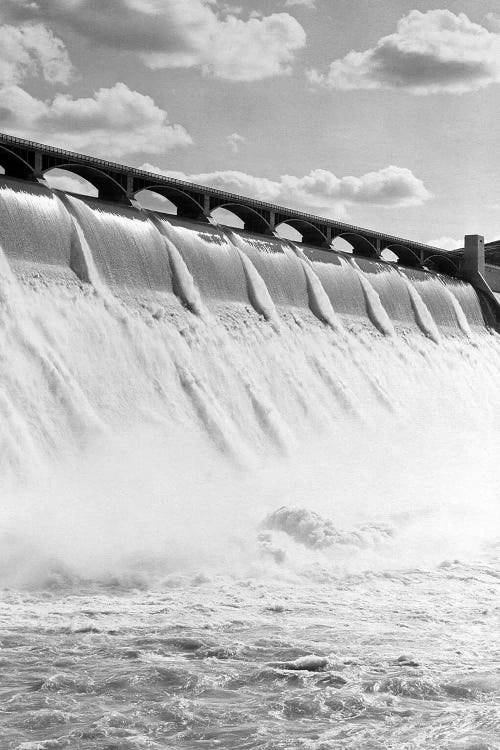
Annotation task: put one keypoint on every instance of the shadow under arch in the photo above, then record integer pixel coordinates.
(405, 255)
(360, 244)
(252, 220)
(441, 264)
(15, 166)
(187, 206)
(107, 188)
(311, 234)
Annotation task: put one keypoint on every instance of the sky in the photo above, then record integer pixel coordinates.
(382, 113)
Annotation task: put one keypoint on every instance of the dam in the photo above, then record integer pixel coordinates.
(141, 253)
(249, 491)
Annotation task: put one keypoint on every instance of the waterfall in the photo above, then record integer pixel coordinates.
(156, 374)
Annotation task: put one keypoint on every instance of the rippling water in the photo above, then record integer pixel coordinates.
(404, 659)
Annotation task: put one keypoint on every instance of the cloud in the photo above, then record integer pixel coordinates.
(71, 183)
(235, 140)
(32, 50)
(446, 243)
(433, 52)
(177, 33)
(113, 122)
(320, 191)
(305, 3)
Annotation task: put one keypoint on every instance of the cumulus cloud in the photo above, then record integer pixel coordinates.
(234, 141)
(32, 50)
(319, 191)
(61, 180)
(446, 243)
(432, 52)
(305, 3)
(112, 122)
(177, 33)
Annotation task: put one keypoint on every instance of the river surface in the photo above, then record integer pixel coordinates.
(402, 659)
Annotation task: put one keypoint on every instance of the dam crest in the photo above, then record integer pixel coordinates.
(140, 254)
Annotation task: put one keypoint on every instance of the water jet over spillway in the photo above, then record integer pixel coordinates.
(149, 361)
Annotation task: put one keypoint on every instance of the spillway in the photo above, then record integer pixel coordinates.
(248, 489)
(44, 230)
(116, 319)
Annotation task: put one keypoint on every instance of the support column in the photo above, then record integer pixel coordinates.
(472, 269)
(472, 262)
(130, 185)
(38, 164)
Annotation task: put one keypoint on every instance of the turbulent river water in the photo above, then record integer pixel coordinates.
(248, 499)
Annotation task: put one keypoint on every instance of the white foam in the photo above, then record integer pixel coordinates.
(375, 309)
(424, 319)
(135, 442)
(462, 321)
(188, 290)
(318, 299)
(258, 293)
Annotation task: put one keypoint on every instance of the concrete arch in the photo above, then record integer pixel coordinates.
(311, 234)
(108, 188)
(441, 264)
(15, 166)
(360, 244)
(406, 256)
(187, 206)
(252, 220)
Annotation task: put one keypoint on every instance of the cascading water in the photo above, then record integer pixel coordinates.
(248, 490)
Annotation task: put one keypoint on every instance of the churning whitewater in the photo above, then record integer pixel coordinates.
(249, 491)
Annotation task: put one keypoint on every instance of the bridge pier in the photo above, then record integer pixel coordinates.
(472, 261)
(130, 186)
(473, 270)
(38, 164)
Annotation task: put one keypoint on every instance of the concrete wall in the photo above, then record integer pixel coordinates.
(492, 274)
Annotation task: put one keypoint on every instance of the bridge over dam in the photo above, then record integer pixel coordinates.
(406, 280)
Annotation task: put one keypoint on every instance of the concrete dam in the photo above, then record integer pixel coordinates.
(141, 255)
(249, 487)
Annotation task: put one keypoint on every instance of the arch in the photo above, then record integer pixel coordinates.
(389, 256)
(153, 201)
(287, 232)
(252, 220)
(441, 264)
(406, 256)
(342, 246)
(311, 234)
(226, 218)
(187, 206)
(360, 244)
(108, 188)
(69, 182)
(15, 166)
